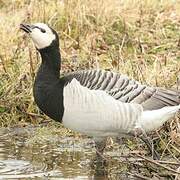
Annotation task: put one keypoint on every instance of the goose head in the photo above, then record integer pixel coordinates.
(41, 34)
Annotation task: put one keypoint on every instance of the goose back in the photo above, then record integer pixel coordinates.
(124, 89)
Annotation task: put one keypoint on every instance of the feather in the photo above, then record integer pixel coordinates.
(124, 89)
(96, 113)
(152, 120)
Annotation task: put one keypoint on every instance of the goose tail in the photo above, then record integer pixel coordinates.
(152, 120)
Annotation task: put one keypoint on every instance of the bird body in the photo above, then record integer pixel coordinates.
(95, 102)
(97, 114)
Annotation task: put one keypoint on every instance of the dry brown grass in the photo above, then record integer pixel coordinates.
(138, 38)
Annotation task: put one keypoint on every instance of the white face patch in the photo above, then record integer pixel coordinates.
(42, 38)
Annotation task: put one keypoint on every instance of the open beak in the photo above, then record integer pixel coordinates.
(26, 27)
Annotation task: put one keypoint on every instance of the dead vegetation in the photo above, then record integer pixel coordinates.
(138, 38)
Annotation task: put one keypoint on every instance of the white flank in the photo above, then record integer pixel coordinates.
(42, 39)
(95, 113)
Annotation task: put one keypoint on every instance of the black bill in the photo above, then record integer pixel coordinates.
(26, 27)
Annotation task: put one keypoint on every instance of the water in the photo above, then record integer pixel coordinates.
(59, 158)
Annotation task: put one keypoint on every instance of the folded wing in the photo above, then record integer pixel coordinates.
(124, 89)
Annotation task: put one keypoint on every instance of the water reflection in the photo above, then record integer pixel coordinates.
(66, 158)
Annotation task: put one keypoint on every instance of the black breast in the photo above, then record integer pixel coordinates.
(49, 98)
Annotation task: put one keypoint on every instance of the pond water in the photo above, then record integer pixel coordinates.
(59, 158)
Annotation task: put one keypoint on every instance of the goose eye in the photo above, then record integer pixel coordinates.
(43, 30)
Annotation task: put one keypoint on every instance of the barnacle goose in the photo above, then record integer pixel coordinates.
(97, 103)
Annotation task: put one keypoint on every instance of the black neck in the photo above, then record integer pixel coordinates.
(51, 61)
(48, 88)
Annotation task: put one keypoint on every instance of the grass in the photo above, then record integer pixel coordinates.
(141, 39)
(138, 38)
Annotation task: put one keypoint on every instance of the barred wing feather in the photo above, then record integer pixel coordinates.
(125, 89)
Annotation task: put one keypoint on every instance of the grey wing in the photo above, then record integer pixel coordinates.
(126, 90)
